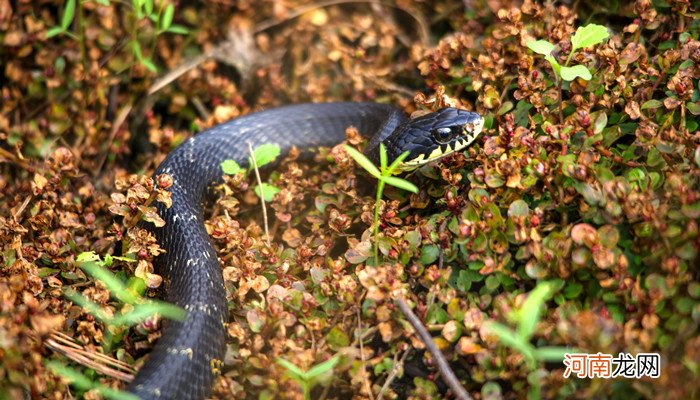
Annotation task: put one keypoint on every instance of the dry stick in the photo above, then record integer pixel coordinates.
(14, 158)
(447, 374)
(62, 338)
(392, 375)
(97, 361)
(262, 193)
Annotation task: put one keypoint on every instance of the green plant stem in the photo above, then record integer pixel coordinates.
(377, 206)
(307, 390)
(561, 111)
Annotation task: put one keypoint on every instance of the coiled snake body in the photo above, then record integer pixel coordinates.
(182, 364)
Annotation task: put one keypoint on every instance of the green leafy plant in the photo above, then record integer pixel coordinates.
(161, 16)
(585, 36)
(83, 383)
(135, 308)
(264, 154)
(384, 175)
(319, 373)
(526, 319)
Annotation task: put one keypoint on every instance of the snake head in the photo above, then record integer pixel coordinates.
(434, 135)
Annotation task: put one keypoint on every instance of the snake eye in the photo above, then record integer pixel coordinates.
(442, 135)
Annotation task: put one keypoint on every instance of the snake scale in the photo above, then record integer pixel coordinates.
(183, 362)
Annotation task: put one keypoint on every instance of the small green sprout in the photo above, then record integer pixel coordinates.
(161, 15)
(136, 307)
(519, 339)
(83, 383)
(384, 176)
(585, 36)
(319, 373)
(264, 154)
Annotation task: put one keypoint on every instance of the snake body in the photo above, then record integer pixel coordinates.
(183, 362)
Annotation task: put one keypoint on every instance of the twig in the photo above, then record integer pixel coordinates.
(99, 362)
(447, 374)
(262, 193)
(393, 373)
(14, 158)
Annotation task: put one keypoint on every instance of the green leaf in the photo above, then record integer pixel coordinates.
(577, 71)
(231, 167)
(540, 47)
(518, 208)
(653, 104)
(600, 122)
(292, 369)
(509, 338)
(322, 368)
(382, 156)
(102, 2)
(265, 154)
(178, 29)
(363, 161)
(555, 64)
(400, 183)
(337, 338)
(268, 190)
(83, 383)
(68, 14)
(529, 314)
(87, 256)
(138, 8)
(505, 107)
(136, 49)
(694, 108)
(149, 65)
(167, 19)
(56, 30)
(142, 311)
(429, 253)
(113, 284)
(394, 165)
(552, 353)
(90, 307)
(74, 377)
(148, 7)
(588, 35)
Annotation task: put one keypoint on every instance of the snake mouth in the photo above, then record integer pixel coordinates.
(469, 132)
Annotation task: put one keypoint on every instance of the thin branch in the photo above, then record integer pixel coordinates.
(262, 193)
(15, 159)
(393, 373)
(99, 362)
(445, 371)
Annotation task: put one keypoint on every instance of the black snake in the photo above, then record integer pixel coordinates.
(183, 363)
